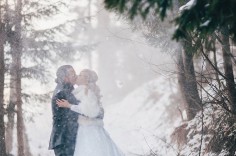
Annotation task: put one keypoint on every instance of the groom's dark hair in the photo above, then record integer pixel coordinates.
(62, 72)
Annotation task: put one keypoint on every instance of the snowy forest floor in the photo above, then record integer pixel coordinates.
(140, 124)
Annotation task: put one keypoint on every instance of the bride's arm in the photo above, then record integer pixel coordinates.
(99, 111)
(65, 104)
(88, 105)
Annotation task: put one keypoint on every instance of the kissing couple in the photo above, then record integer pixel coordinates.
(78, 116)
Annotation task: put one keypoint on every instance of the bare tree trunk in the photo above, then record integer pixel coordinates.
(20, 133)
(17, 52)
(9, 129)
(10, 115)
(216, 73)
(210, 48)
(26, 143)
(2, 72)
(186, 75)
(12, 99)
(190, 91)
(181, 78)
(2, 126)
(187, 81)
(20, 129)
(11, 107)
(228, 68)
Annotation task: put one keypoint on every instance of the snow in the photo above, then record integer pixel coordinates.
(205, 23)
(188, 5)
(137, 124)
(195, 133)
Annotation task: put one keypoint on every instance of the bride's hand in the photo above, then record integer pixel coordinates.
(63, 103)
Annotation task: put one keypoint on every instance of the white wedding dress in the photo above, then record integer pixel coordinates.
(92, 139)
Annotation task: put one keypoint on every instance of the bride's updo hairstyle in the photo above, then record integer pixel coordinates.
(92, 78)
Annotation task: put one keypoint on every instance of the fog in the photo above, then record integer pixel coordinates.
(126, 64)
(121, 55)
(166, 75)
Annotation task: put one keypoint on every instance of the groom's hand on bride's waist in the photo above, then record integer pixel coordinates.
(63, 103)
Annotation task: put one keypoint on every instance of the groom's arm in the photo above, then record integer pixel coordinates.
(59, 113)
(61, 95)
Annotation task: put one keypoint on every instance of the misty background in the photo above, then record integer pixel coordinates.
(166, 71)
(136, 73)
(126, 62)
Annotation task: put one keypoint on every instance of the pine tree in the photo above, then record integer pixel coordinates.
(200, 15)
(41, 48)
(228, 68)
(2, 79)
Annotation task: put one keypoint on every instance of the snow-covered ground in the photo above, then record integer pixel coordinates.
(140, 121)
(138, 124)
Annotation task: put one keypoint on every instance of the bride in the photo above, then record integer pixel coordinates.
(92, 139)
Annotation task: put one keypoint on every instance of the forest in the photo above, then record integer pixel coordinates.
(166, 70)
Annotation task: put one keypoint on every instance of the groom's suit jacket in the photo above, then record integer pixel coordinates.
(65, 123)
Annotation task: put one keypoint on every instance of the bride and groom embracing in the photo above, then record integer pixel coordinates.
(78, 116)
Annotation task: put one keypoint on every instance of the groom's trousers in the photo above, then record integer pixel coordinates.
(63, 150)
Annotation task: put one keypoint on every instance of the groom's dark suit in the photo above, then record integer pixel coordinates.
(65, 123)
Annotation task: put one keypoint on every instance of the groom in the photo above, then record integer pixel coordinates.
(65, 125)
